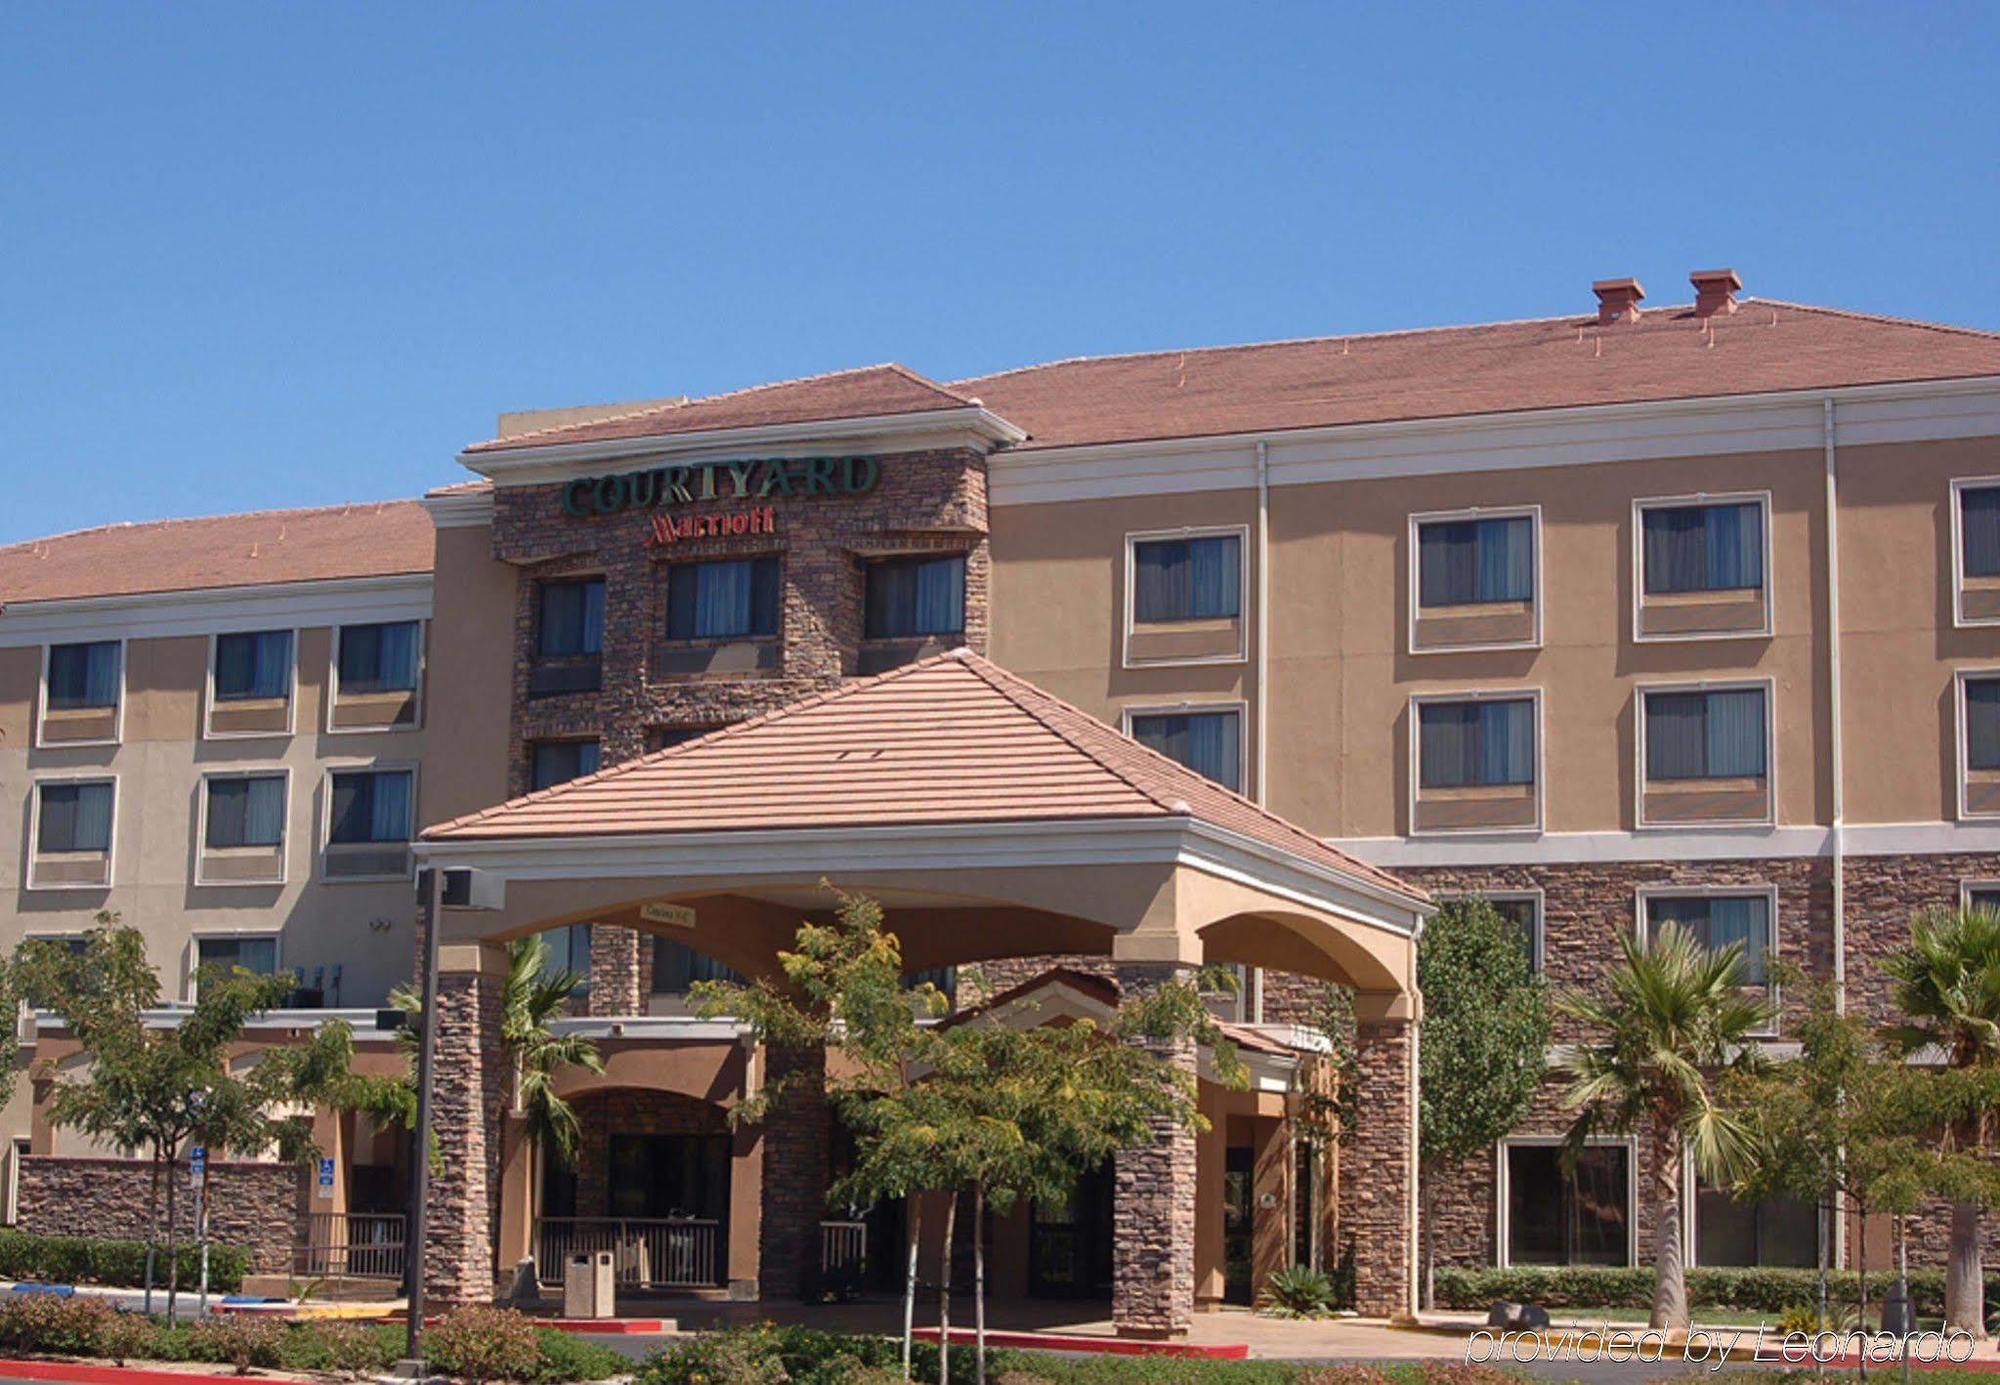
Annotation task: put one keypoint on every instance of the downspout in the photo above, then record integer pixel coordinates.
(1263, 707)
(1835, 758)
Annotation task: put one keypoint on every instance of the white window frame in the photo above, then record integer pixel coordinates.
(89, 776)
(1502, 1189)
(1533, 514)
(332, 767)
(200, 935)
(265, 771)
(208, 731)
(1967, 886)
(1640, 691)
(416, 722)
(1245, 608)
(1642, 924)
(1175, 709)
(1679, 502)
(1959, 486)
(18, 1148)
(1959, 678)
(42, 697)
(1414, 766)
(1510, 894)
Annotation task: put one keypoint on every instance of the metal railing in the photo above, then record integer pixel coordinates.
(352, 1245)
(843, 1247)
(653, 1253)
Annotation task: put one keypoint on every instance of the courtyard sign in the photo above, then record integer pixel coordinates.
(756, 479)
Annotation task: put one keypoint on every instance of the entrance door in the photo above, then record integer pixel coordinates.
(675, 1178)
(1239, 1220)
(1069, 1243)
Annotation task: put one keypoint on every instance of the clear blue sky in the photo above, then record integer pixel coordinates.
(277, 254)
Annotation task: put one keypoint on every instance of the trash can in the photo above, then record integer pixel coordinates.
(1898, 1313)
(589, 1286)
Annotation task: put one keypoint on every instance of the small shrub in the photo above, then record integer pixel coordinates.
(1296, 1291)
(565, 1357)
(121, 1264)
(53, 1324)
(241, 1340)
(480, 1344)
(126, 1336)
(1769, 1291)
(1345, 1375)
(1463, 1373)
(350, 1348)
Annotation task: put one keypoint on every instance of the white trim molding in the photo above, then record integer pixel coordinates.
(1414, 768)
(202, 935)
(416, 722)
(1503, 1188)
(1687, 844)
(1959, 486)
(208, 698)
(78, 776)
(324, 835)
(272, 770)
(1962, 736)
(216, 610)
(1533, 514)
(459, 509)
(1132, 540)
(117, 736)
(1644, 895)
(1641, 507)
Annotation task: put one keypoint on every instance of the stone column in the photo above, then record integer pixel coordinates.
(798, 1131)
(615, 971)
(1153, 1205)
(1381, 1160)
(468, 1091)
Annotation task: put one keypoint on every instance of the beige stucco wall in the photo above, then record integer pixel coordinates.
(1342, 675)
(364, 929)
(472, 677)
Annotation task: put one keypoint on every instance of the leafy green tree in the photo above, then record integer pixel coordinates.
(1675, 1020)
(155, 1089)
(1948, 988)
(1485, 1045)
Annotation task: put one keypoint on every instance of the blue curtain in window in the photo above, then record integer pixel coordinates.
(1982, 723)
(1676, 736)
(1465, 562)
(572, 618)
(397, 661)
(1188, 579)
(254, 665)
(722, 600)
(1694, 548)
(264, 812)
(1716, 922)
(1735, 734)
(1460, 744)
(676, 967)
(389, 818)
(907, 597)
(941, 597)
(1209, 743)
(1979, 530)
(83, 675)
(379, 658)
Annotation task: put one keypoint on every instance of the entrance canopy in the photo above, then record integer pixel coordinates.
(989, 818)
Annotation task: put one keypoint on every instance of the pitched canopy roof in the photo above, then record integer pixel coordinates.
(387, 539)
(949, 740)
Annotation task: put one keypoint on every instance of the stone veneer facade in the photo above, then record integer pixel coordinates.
(1153, 1209)
(258, 1207)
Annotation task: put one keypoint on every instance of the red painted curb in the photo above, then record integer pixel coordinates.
(608, 1326)
(86, 1373)
(1106, 1346)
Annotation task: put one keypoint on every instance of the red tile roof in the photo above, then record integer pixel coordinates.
(950, 739)
(389, 538)
(860, 393)
(1669, 353)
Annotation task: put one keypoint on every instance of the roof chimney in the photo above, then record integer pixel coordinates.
(1714, 291)
(1617, 300)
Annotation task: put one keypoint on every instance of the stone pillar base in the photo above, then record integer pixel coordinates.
(1153, 1208)
(1381, 1163)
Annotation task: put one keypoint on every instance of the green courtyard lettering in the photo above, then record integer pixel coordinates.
(755, 478)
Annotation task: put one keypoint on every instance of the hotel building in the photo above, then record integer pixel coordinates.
(1089, 671)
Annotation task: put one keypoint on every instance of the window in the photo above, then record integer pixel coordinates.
(1704, 548)
(732, 600)
(1209, 743)
(569, 952)
(1476, 562)
(677, 967)
(1555, 1218)
(944, 978)
(245, 811)
(1718, 920)
(910, 598)
(570, 618)
(1774, 1233)
(371, 806)
(665, 737)
(258, 955)
(379, 658)
(1187, 579)
(558, 762)
(84, 676)
(1976, 553)
(1983, 898)
(1468, 744)
(254, 667)
(75, 817)
(1705, 735)
(1982, 723)
(1522, 909)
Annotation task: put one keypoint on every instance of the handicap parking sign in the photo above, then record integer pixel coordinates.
(326, 1179)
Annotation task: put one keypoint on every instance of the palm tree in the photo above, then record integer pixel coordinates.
(1948, 986)
(1676, 1018)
